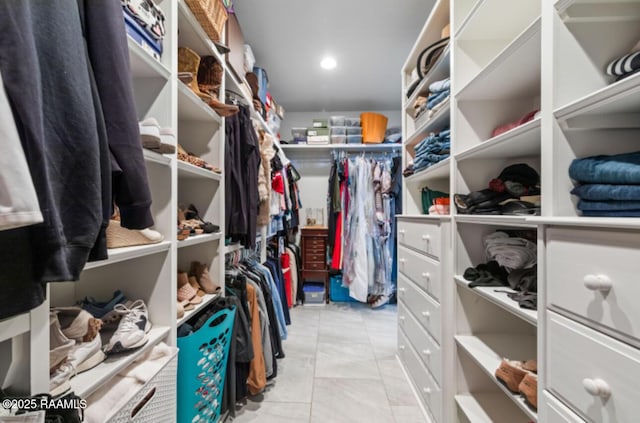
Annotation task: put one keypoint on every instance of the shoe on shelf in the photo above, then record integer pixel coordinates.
(202, 275)
(189, 61)
(104, 310)
(168, 138)
(179, 310)
(529, 389)
(192, 214)
(194, 283)
(210, 73)
(59, 379)
(195, 160)
(119, 237)
(132, 329)
(155, 138)
(186, 292)
(78, 324)
(59, 345)
(86, 355)
(511, 372)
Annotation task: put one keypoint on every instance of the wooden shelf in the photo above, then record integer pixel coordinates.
(614, 106)
(501, 300)
(522, 141)
(199, 239)
(438, 72)
(513, 74)
(153, 157)
(127, 253)
(438, 171)
(488, 350)
(496, 220)
(440, 120)
(488, 407)
(14, 326)
(590, 11)
(206, 300)
(189, 171)
(191, 34)
(143, 65)
(192, 108)
(88, 382)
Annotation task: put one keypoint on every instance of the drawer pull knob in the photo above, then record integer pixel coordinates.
(402, 260)
(402, 290)
(426, 237)
(402, 318)
(597, 388)
(426, 390)
(426, 352)
(426, 314)
(401, 347)
(426, 275)
(598, 283)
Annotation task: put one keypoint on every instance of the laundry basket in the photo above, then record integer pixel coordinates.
(202, 365)
(374, 126)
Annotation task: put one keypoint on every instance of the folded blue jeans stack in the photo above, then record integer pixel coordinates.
(432, 149)
(608, 185)
(440, 91)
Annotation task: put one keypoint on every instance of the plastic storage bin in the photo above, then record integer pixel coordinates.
(313, 293)
(299, 132)
(337, 292)
(320, 123)
(202, 366)
(336, 121)
(354, 139)
(317, 132)
(338, 130)
(352, 121)
(338, 139)
(354, 130)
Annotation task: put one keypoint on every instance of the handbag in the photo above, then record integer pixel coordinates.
(428, 57)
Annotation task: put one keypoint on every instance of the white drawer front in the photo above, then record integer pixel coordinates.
(425, 310)
(423, 236)
(427, 348)
(422, 270)
(583, 365)
(594, 274)
(553, 411)
(427, 388)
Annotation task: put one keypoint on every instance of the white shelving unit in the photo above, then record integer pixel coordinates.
(206, 300)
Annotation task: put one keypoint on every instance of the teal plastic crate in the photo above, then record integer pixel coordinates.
(338, 293)
(202, 367)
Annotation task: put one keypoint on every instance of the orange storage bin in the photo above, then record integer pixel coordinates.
(374, 126)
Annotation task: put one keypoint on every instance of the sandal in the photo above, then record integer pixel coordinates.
(380, 301)
(191, 214)
(195, 160)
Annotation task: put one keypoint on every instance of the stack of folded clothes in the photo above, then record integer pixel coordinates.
(516, 191)
(512, 263)
(627, 65)
(608, 186)
(440, 91)
(431, 150)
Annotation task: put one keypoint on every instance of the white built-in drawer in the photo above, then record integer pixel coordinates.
(421, 235)
(594, 274)
(425, 310)
(422, 270)
(428, 391)
(597, 375)
(425, 345)
(553, 411)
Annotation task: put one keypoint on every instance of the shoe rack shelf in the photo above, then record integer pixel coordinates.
(500, 299)
(436, 122)
(488, 350)
(157, 158)
(206, 300)
(129, 253)
(143, 65)
(487, 408)
(199, 239)
(496, 220)
(84, 384)
(192, 108)
(189, 171)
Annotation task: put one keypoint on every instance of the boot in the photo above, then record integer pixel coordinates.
(189, 61)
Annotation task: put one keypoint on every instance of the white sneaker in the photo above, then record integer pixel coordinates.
(150, 133)
(132, 329)
(59, 345)
(86, 355)
(59, 380)
(77, 324)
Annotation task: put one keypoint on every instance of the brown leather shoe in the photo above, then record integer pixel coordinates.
(529, 389)
(511, 373)
(223, 109)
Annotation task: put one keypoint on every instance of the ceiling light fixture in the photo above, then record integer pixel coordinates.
(328, 63)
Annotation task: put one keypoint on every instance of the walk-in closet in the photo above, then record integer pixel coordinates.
(282, 211)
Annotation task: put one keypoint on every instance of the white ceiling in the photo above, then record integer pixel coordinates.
(370, 39)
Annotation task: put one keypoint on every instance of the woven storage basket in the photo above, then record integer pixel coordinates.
(211, 14)
(202, 364)
(155, 402)
(374, 125)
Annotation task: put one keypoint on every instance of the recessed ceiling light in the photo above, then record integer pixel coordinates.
(328, 63)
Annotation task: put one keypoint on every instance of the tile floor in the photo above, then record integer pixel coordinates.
(340, 367)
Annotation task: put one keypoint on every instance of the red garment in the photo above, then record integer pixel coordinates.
(336, 260)
(286, 271)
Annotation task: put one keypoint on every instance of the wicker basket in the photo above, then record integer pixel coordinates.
(374, 126)
(211, 14)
